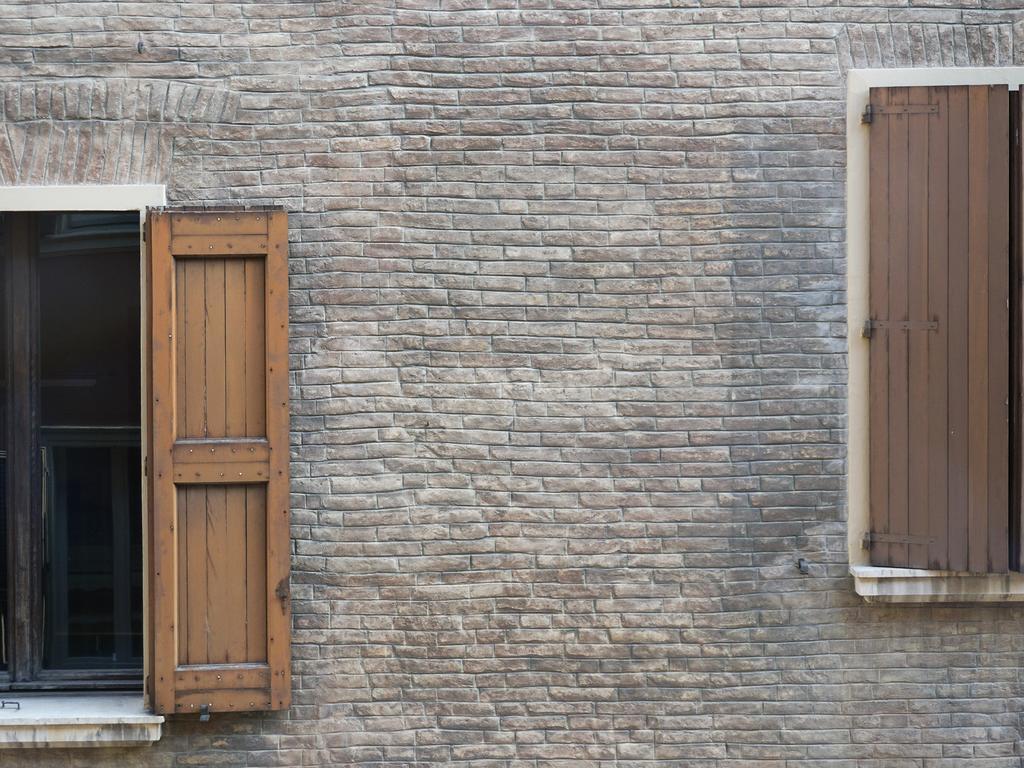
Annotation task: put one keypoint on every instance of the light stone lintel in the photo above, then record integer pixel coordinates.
(82, 197)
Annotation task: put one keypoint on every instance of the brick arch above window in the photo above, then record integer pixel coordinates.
(136, 99)
(926, 45)
(101, 132)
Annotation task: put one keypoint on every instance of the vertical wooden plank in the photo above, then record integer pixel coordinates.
(256, 593)
(998, 336)
(255, 349)
(196, 598)
(958, 230)
(878, 355)
(166, 638)
(237, 573)
(234, 349)
(181, 361)
(977, 342)
(278, 513)
(219, 574)
(234, 346)
(938, 306)
(182, 553)
(216, 375)
(192, 348)
(917, 341)
(899, 148)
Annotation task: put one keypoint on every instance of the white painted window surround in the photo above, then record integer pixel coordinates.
(893, 585)
(93, 719)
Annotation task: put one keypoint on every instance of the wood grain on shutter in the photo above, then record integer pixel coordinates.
(220, 460)
(939, 384)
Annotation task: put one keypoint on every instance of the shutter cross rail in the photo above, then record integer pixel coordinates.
(898, 325)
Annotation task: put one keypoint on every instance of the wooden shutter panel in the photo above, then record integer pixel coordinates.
(939, 328)
(219, 460)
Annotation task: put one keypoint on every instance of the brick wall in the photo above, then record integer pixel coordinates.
(568, 349)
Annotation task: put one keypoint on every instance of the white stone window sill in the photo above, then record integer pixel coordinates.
(76, 720)
(915, 585)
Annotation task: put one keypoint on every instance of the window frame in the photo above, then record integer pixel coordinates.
(86, 198)
(875, 583)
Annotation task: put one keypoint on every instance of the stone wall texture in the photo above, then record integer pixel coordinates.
(568, 354)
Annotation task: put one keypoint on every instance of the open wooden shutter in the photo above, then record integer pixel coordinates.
(220, 614)
(939, 327)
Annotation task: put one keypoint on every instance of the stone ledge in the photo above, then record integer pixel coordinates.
(77, 720)
(915, 585)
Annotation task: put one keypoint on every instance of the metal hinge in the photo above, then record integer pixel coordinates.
(204, 713)
(898, 325)
(282, 591)
(871, 110)
(893, 538)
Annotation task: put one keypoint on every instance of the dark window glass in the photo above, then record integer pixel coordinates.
(88, 322)
(5, 613)
(87, 277)
(93, 580)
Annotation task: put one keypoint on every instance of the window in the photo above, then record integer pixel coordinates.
(73, 508)
(144, 463)
(939, 328)
(954, 252)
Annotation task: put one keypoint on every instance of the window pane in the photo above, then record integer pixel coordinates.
(88, 322)
(93, 586)
(5, 614)
(87, 274)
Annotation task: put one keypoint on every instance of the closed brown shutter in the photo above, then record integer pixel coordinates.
(219, 461)
(939, 328)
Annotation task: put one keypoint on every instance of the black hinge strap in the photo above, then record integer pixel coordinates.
(893, 538)
(898, 325)
(897, 109)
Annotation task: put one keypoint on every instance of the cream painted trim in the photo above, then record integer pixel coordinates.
(859, 82)
(77, 720)
(914, 585)
(85, 197)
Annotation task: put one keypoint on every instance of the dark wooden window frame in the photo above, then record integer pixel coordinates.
(18, 242)
(1016, 527)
